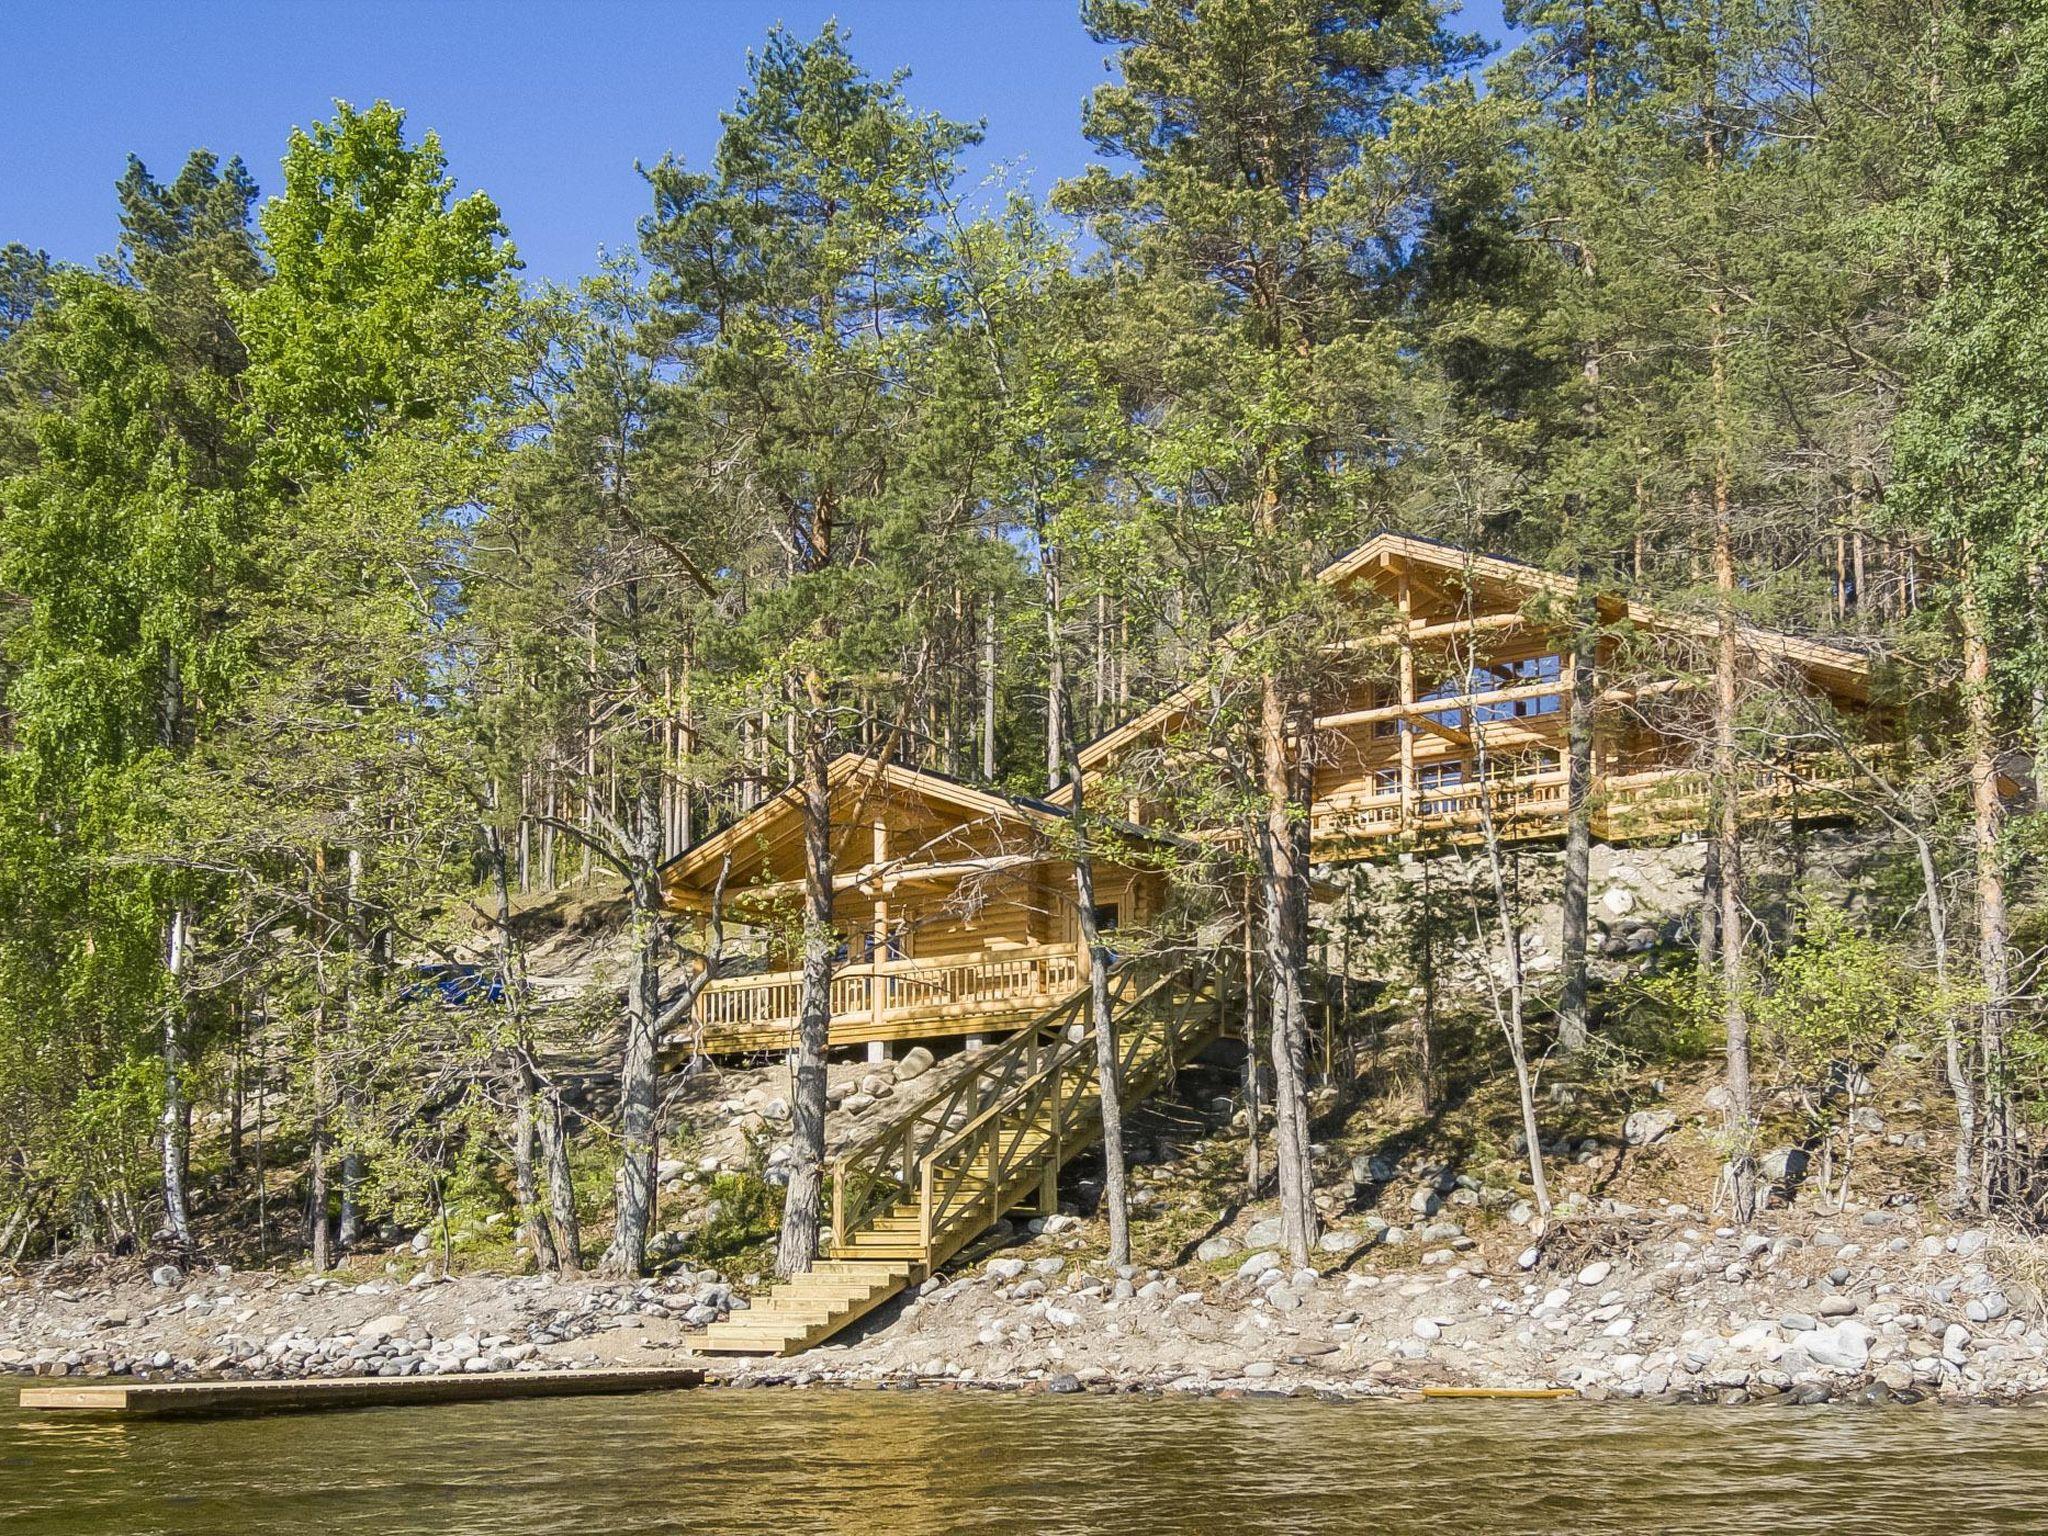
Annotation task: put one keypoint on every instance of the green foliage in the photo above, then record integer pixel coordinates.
(748, 1214)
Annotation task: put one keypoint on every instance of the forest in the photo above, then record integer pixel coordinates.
(357, 592)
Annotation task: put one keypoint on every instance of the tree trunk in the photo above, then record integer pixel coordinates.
(554, 1144)
(532, 1219)
(175, 1125)
(638, 1099)
(1116, 1206)
(1740, 1126)
(1987, 825)
(798, 1246)
(349, 1226)
(1578, 839)
(988, 694)
(1281, 887)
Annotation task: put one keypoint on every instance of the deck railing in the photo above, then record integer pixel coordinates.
(1514, 799)
(896, 991)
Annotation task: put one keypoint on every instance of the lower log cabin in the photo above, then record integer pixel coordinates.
(1451, 699)
(955, 906)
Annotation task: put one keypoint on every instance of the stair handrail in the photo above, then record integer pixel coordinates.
(935, 1201)
(888, 1157)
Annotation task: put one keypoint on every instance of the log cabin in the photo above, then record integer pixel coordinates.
(955, 906)
(1452, 692)
(1448, 698)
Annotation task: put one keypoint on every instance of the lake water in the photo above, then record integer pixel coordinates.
(926, 1463)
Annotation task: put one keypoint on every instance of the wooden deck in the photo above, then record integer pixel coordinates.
(893, 1000)
(167, 1398)
(911, 1196)
(1657, 803)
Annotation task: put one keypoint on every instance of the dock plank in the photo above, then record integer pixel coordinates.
(167, 1398)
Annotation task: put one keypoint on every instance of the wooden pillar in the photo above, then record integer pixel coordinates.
(878, 943)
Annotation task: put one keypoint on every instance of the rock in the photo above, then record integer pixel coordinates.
(1798, 1322)
(915, 1063)
(1837, 1306)
(1955, 1341)
(164, 1276)
(1221, 1246)
(1280, 1297)
(1050, 1266)
(1066, 1381)
(670, 1171)
(1647, 1126)
(1261, 1370)
(391, 1325)
(1425, 1202)
(877, 1085)
(1426, 1328)
(1005, 1269)
(1336, 1242)
(854, 1103)
(1527, 1258)
(1595, 1272)
(1988, 1308)
(1844, 1347)
(1618, 900)
(1258, 1264)
(1971, 1243)
(1264, 1233)
(1782, 1163)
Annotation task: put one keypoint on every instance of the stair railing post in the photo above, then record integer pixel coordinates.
(924, 1210)
(839, 1205)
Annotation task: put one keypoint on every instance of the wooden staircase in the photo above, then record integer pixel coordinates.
(913, 1194)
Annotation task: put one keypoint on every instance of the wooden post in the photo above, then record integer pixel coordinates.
(878, 941)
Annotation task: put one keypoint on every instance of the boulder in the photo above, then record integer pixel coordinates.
(1647, 1126)
(1782, 1163)
(1221, 1246)
(1843, 1347)
(1258, 1264)
(915, 1063)
(1264, 1233)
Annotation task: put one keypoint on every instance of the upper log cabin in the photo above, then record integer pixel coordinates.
(1449, 699)
(1453, 696)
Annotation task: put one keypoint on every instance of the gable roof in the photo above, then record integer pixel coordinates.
(1843, 670)
(700, 860)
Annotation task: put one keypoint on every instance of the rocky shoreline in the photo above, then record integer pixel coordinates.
(1872, 1306)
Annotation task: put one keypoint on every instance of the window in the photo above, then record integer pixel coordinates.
(1105, 918)
(1433, 785)
(1496, 678)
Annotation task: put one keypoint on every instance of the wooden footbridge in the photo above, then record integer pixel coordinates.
(909, 1197)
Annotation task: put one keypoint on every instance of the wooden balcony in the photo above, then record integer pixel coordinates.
(1658, 802)
(1523, 805)
(894, 999)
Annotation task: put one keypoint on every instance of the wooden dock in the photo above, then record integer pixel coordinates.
(157, 1399)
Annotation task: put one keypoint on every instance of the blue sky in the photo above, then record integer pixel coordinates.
(544, 105)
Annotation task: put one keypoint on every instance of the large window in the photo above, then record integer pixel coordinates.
(1495, 678)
